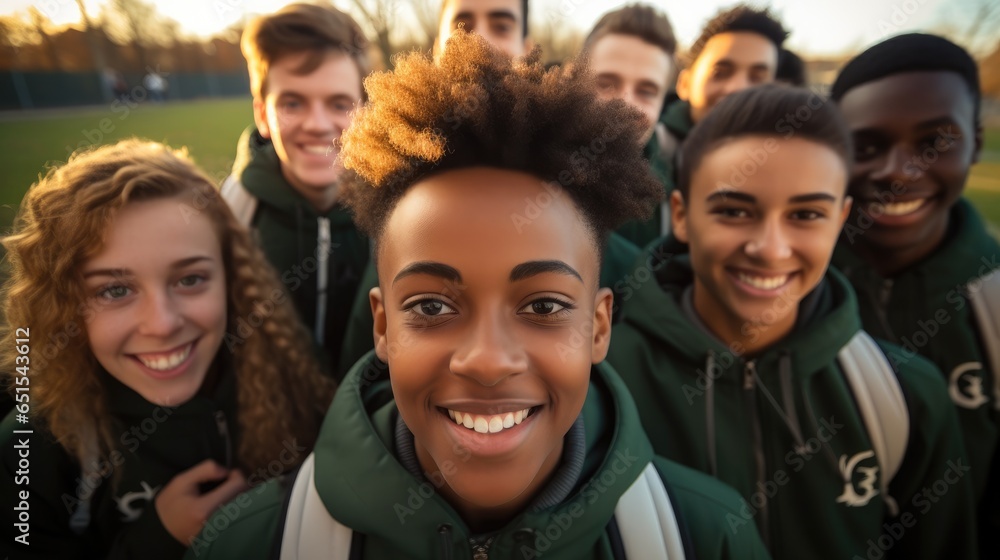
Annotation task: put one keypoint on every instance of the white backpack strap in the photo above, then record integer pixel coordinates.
(986, 308)
(240, 201)
(646, 520)
(880, 401)
(310, 531)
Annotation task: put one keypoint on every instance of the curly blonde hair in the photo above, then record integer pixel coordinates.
(62, 223)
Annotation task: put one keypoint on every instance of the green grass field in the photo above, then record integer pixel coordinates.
(210, 129)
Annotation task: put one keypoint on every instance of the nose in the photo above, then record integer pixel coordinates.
(899, 165)
(318, 118)
(489, 353)
(160, 315)
(738, 82)
(771, 243)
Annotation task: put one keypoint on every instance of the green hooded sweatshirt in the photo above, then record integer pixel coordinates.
(783, 429)
(619, 257)
(925, 310)
(363, 484)
(676, 122)
(155, 444)
(287, 227)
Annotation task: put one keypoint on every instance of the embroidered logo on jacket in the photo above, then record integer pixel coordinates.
(966, 387)
(866, 486)
(132, 512)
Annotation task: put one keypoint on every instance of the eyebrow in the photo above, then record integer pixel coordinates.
(534, 268)
(495, 14)
(813, 197)
(431, 268)
(744, 197)
(121, 272)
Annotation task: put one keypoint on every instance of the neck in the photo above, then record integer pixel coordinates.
(320, 198)
(740, 335)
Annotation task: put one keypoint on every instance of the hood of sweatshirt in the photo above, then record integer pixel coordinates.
(365, 486)
(677, 118)
(258, 168)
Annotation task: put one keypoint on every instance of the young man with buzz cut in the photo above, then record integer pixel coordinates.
(917, 252)
(306, 64)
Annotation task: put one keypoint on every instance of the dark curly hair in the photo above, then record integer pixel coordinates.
(479, 108)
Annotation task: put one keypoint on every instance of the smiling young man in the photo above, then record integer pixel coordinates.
(306, 64)
(490, 428)
(737, 49)
(631, 53)
(503, 23)
(916, 251)
(734, 350)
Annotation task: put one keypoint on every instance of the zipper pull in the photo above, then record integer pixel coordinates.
(481, 551)
(749, 374)
(223, 427)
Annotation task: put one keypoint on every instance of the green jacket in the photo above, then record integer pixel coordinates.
(782, 427)
(364, 486)
(676, 123)
(156, 444)
(287, 227)
(925, 310)
(619, 257)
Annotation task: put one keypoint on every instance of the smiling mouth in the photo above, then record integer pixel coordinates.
(165, 361)
(323, 150)
(490, 423)
(897, 208)
(763, 282)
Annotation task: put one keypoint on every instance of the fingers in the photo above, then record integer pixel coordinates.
(235, 484)
(204, 471)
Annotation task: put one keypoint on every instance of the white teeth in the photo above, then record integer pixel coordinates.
(763, 283)
(489, 424)
(898, 208)
(318, 150)
(163, 363)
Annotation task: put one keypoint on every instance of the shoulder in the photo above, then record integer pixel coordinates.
(243, 528)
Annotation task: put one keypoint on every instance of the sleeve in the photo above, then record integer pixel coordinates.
(243, 529)
(709, 512)
(933, 487)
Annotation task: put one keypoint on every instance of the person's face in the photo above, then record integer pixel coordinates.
(730, 62)
(500, 22)
(632, 70)
(760, 242)
(915, 140)
(489, 329)
(304, 115)
(156, 299)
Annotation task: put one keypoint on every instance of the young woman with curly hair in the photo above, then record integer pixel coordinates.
(487, 426)
(163, 365)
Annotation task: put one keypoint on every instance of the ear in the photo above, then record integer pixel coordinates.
(678, 216)
(379, 328)
(684, 84)
(603, 303)
(260, 118)
(979, 140)
(848, 203)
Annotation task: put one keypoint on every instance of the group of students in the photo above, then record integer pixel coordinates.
(477, 308)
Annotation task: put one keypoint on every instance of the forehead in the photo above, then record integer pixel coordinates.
(741, 47)
(452, 8)
(906, 100)
(772, 169)
(485, 219)
(617, 53)
(337, 74)
(172, 225)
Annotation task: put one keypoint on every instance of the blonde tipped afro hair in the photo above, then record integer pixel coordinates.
(478, 108)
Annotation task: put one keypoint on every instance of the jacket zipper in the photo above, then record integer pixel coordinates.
(223, 427)
(322, 280)
(481, 551)
(749, 385)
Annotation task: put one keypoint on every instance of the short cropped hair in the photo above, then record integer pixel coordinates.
(637, 20)
(912, 52)
(297, 28)
(791, 69)
(739, 18)
(762, 111)
(479, 108)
